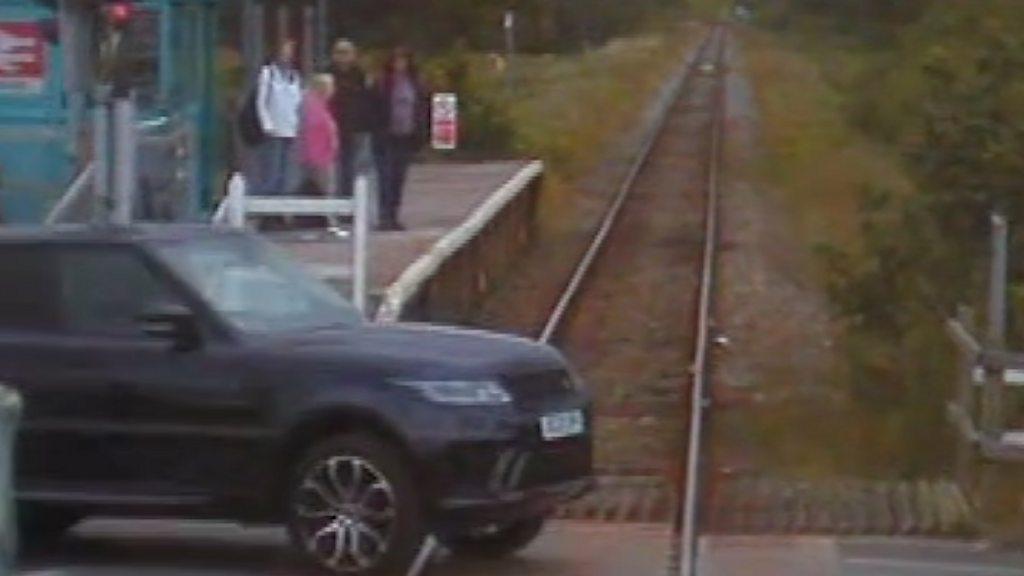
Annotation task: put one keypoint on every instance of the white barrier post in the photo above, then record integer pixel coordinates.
(360, 242)
(10, 414)
(101, 160)
(125, 154)
(235, 201)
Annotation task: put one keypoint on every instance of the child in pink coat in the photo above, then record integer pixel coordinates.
(319, 146)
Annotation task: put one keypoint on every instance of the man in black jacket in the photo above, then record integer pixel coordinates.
(353, 112)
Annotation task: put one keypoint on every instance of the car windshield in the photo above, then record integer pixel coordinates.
(255, 286)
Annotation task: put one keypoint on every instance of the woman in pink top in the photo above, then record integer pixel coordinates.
(319, 143)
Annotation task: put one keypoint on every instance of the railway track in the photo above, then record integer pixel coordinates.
(636, 316)
(635, 312)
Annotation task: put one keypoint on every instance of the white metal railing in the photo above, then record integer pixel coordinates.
(72, 196)
(238, 208)
(400, 294)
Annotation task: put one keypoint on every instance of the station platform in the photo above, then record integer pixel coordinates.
(463, 221)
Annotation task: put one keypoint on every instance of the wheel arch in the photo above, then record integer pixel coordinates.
(323, 424)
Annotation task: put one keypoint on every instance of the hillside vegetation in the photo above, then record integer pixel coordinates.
(937, 85)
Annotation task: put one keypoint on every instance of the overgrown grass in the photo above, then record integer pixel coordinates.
(814, 157)
(821, 167)
(570, 109)
(710, 9)
(566, 108)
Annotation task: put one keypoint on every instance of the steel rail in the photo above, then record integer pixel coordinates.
(690, 509)
(597, 243)
(586, 263)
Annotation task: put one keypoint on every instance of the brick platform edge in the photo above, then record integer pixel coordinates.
(449, 280)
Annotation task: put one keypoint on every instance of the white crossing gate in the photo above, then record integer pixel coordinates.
(238, 208)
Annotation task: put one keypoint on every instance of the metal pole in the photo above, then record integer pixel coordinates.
(997, 283)
(992, 395)
(11, 405)
(124, 171)
(236, 201)
(101, 162)
(509, 25)
(360, 258)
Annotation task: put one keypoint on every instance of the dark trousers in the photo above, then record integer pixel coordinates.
(355, 158)
(346, 165)
(394, 155)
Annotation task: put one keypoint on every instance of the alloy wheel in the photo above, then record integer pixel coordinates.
(345, 513)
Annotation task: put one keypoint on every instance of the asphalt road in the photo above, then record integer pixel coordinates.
(165, 548)
(160, 548)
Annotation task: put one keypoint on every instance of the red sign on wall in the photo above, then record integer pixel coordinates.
(444, 121)
(22, 57)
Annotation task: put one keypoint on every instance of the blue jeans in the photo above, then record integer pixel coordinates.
(275, 158)
(394, 155)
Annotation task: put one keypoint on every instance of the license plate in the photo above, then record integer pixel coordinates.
(562, 425)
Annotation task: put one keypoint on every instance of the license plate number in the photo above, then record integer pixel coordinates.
(562, 425)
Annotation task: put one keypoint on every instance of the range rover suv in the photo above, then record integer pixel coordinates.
(194, 372)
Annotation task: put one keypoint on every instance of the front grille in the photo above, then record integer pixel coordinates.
(555, 463)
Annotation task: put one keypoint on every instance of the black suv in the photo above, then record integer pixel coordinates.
(188, 371)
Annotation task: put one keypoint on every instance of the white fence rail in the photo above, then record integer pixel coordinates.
(238, 208)
(402, 292)
(80, 188)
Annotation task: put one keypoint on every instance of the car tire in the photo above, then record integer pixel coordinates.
(352, 507)
(495, 543)
(44, 525)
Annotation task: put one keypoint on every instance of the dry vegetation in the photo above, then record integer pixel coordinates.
(584, 116)
(797, 185)
(818, 162)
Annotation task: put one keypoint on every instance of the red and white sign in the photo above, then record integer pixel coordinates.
(22, 57)
(444, 121)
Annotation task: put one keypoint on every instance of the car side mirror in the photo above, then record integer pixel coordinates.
(175, 324)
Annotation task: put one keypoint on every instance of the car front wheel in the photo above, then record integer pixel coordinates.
(495, 541)
(353, 509)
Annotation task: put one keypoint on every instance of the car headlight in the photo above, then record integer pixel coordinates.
(461, 392)
(575, 379)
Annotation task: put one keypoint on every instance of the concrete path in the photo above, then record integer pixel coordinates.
(438, 198)
(821, 556)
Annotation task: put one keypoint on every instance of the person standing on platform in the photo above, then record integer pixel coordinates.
(278, 98)
(319, 142)
(403, 126)
(352, 113)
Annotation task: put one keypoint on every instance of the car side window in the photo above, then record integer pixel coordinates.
(105, 290)
(28, 286)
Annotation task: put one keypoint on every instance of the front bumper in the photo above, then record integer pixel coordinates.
(511, 506)
(506, 472)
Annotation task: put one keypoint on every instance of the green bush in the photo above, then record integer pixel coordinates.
(485, 126)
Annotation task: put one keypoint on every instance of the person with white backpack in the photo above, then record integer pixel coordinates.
(278, 102)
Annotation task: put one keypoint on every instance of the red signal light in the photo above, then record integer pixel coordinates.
(119, 13)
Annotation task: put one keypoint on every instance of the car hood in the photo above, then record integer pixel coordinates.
(422, 350)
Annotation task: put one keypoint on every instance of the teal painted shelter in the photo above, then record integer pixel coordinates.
(49, 57)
